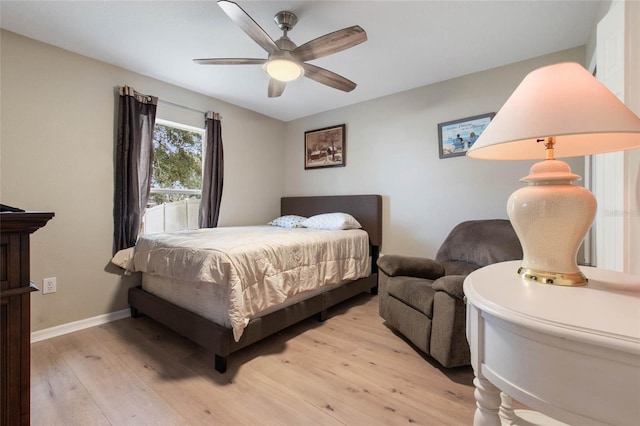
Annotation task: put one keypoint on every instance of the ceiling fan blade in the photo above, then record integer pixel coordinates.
(248, 25)
(328, 44)
(229, 61)
(328, 78)
(276, 87)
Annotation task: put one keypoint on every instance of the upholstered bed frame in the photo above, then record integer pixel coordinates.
(367, 209)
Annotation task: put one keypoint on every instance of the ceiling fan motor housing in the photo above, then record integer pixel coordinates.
(284, 43)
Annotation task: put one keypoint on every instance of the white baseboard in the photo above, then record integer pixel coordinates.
(59, 330)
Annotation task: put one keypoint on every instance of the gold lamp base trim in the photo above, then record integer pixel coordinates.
(555, 278)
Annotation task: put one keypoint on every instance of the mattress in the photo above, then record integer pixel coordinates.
(212, 301)
(232, 274)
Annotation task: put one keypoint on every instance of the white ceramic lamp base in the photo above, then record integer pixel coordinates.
(551, 217)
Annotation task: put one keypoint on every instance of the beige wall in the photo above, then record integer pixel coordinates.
(57, 153)
(392, 149)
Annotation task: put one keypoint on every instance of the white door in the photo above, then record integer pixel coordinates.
(608, 184)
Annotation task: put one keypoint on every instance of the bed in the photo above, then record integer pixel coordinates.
(223, 338)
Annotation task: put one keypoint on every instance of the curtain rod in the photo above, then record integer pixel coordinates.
(182, 106)
(216, 115)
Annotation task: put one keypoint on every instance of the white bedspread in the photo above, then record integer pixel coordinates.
(260, 265)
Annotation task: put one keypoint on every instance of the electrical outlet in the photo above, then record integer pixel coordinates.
(49, 285)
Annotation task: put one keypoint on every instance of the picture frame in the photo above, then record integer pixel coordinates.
(457, 136)
(325, 147)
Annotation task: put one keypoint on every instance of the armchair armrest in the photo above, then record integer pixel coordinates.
(420, 267)
(450, 284)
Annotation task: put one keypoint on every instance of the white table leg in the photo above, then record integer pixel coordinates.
(487, 403)
(511, 417)
(507, 413)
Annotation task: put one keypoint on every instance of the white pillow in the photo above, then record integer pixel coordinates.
(124, 259)
(332, 221)
(288, 221)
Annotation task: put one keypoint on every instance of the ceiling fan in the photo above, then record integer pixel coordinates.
(286, 61)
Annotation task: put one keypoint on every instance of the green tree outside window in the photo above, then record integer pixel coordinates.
(177, 162)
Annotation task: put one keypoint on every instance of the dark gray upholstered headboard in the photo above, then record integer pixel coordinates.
(367, 209)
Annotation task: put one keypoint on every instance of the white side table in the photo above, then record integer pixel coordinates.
(572, 353)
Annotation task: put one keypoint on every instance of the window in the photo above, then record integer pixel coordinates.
(176, 184)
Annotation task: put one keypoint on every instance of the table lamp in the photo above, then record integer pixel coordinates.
(557, 111)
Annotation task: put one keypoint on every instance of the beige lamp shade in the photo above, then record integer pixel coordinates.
(557, 111)
(562, 101)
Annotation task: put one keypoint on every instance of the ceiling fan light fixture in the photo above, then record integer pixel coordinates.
(283, 69)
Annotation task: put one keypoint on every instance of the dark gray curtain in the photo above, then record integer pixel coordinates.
(133, 168)
(213, 173)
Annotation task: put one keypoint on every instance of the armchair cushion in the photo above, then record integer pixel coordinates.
(451, 284)
(458, 268)
(420, 267)
(481, 243)
(414, 292)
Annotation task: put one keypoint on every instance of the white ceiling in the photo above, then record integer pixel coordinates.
(410, 43)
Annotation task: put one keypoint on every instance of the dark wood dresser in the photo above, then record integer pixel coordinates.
(15, 316)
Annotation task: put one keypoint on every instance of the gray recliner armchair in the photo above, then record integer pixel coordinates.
(423, 298)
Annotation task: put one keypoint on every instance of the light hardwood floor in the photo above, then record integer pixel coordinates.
(348, 370)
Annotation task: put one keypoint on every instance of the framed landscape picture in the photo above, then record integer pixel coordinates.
(456, 137)
(324, 147)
